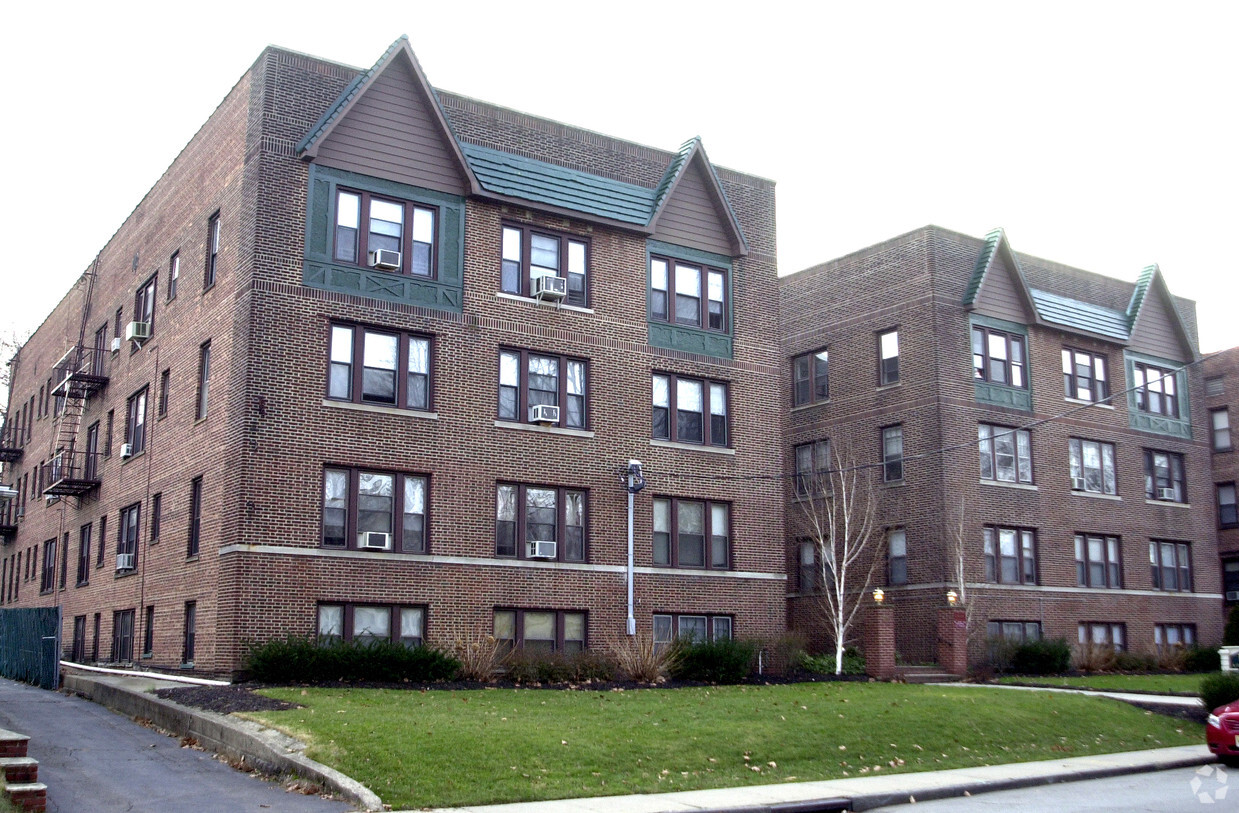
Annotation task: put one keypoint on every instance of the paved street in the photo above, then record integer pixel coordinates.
(93, 759)
(1159, 792)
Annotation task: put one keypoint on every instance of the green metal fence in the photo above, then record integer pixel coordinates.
(30, 645)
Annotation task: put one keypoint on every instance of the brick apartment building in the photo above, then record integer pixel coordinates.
(1055, 415)
(1221, 371)
(363, 345)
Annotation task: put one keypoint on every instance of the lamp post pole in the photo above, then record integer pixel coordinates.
(636, 482)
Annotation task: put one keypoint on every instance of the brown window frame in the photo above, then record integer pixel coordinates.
(135, 429)
(129, 532)
(347, 616)
(519, 641)
(888, 373)
(1023, 466)
(808, 379)
(156, 518)
(194, 541)
(892, 466)
(561, 393)
(1098, 389)
(523, 268)
(520, 523)
(144, 305)
(814, 479)
(357, 370)
(1186, 633)
(985, 372)
(47, 583)
(1227, 518)
(174, 274)
(707, 537)
(1111, 562)
(1075, 449)
(122, 635)
(993, 557)
(1168, 403)
(674, 622)
(1181, 566)
(148, 632)
(212, 252)
(202, 401)
(669, 313)
(1085, 634)
(165, 379)
(1214, 430)
(1177, 480)
(101, 543)
(352, 508)
(83, 554)
(362, 243)
(896, 566)
(1000, 630)
(708, 430)
(189, 633)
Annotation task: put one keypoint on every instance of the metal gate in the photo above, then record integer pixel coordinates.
(30, 645)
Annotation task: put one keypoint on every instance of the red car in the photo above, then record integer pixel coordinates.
(1222, 732)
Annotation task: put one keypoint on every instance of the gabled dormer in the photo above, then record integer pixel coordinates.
(1160, 347)
(1002, 307)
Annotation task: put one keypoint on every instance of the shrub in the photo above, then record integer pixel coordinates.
(1000, 654)
(1090, 657)
(1201, 659)
(722, 661)
(1171, 658)
(1125, 661)
(784, 652)
(296, 659)
(1219, 689)
(477, 652)
(639, 660)
(1230, 635)
(1042, 657)
(853, 663)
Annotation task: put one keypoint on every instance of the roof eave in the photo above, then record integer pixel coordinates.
(574, 214)
(735, 236)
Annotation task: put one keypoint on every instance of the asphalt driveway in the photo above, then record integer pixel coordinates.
(91, 758)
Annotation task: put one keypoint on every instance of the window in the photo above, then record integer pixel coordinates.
(1230, 579)
(888, 357)
(897, 556)
(204, 379)
(174, 274)
(78, 654)
(1155, 389)
(195, 517)
(676, 290)
(527, 380)
(807, 566)
(1172, 635)
(892, 453)
(1006, 454)
(1219, 420)
(366, 510)
(998, 357)
(1092, 466)
(90, 466)
(699, 409)
(148, 632)
(813, 468)
(1084, 375)
(144, 304)
(1227, 515)
(164, 378)
(379, 367)
(369, 623)
(691, 533)
(1098, 561)
(699, 628)
(1010, 555)
(1163, 476)
(156, 516)
(101, 545)
(1017, 631)
(100, 347)
(525, 514)
(118, 327)
(1170, 564)
(49, 566)
(212, 252)
(540, 630)
(94, 647)
(83, 555)
(810, 378)
(367, 223)
(135, 422)
(1103, 634)
(107, 439)
(189, 641)
(127, 537)
(529, 254)
(122, 635)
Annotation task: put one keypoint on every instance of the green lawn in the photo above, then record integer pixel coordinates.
(445, 748)
(1166, 684)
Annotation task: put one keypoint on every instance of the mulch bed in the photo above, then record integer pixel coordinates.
(223, 699)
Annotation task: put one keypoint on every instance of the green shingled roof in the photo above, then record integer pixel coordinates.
(983, 260)
(516, 176)
(1076, 315)
(673, 170)
(1138, 294)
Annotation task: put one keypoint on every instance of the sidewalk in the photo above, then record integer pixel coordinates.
(1135, 698)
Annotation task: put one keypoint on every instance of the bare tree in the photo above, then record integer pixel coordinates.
(10, 342)
(838, 524)
(957, 552)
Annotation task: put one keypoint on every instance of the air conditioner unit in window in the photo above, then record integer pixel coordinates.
(20, 512)
(1165, 493)
(1232, 595)
(544, 414)
(384, 259)
(373, 540)
(549, 287)
(137, 331)
(51, 499)
(7, 493)
(125, 561)
(116, 344)
(1077, 483)
(126, 450)
(541, 549)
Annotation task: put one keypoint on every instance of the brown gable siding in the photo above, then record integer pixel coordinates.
(390, 133)
(691, 218)
(1155, 332)
(999, 296)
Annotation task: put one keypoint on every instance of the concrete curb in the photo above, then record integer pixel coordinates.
(264, 748)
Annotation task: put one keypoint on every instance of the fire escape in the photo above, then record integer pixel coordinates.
(79, 375)
(10, 452)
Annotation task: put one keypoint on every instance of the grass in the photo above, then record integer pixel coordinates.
(447, 748)
(1163, 684)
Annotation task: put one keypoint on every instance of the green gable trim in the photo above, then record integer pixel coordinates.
(1180, 428)
(1002, 395)
(445, 292)
(983, 261)
(680, 337)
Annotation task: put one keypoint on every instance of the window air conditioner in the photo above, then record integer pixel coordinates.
(1232, 595)
(373, 540)
(7, 493)
(550, 287)
(541, 549)
(1077, 483)
(544, 414)
(126, 450)
(51, 499)
(125, 561)
(384, 259)
(137, 331)
(116, 344)
(1165, 493)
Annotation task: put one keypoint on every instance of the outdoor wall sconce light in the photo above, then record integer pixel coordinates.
(878, 595)
(952, 597)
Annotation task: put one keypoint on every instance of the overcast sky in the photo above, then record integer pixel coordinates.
(1101, 135)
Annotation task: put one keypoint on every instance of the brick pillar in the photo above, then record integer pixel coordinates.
(953, 641)
(880, 642)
